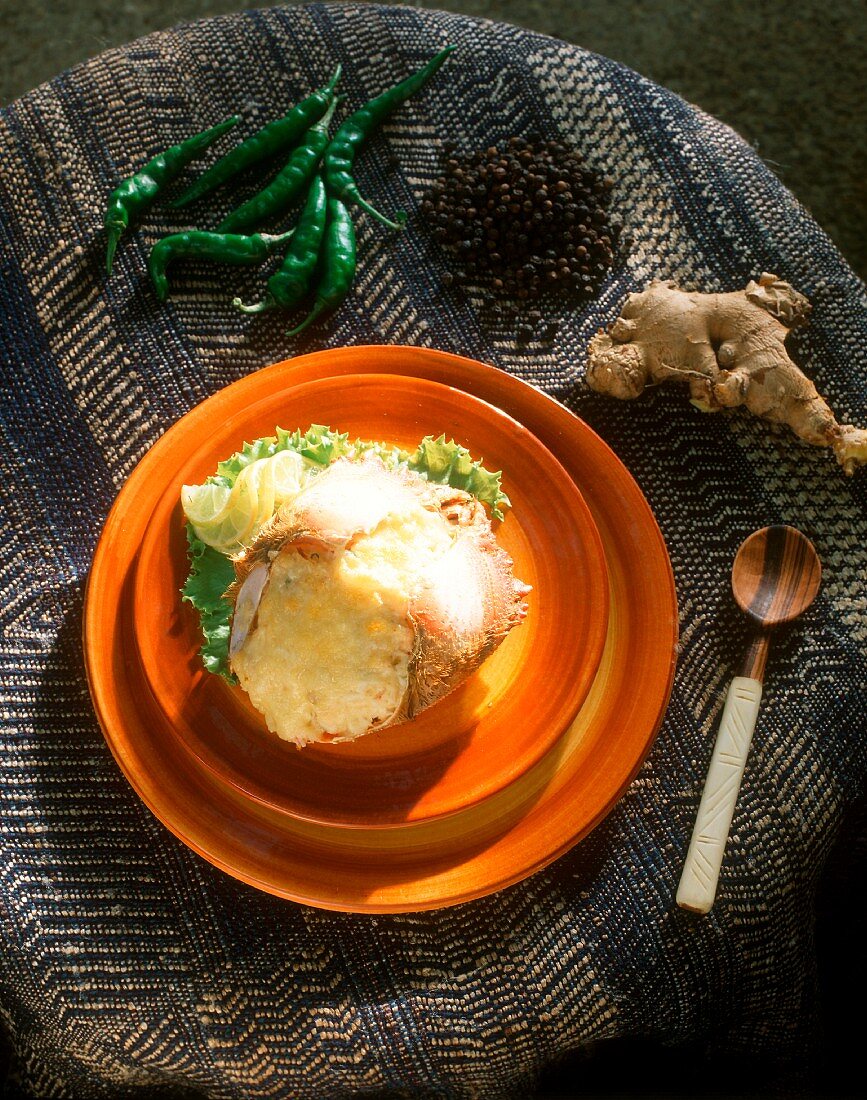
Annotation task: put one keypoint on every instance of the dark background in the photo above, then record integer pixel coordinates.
(791, 79)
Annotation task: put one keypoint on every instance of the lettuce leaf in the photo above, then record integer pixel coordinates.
(318, 444)
(211, 573)
(451, 464)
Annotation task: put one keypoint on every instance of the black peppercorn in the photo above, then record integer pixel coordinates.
(524, 220)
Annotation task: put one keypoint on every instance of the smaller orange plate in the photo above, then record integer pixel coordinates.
(470, 745)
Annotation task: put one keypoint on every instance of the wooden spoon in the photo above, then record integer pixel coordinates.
(775, 577)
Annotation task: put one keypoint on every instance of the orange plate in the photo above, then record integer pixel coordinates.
(436, 859)
(474, 742)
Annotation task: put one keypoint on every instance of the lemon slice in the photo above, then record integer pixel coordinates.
(229, 518)
(291, 474)
(202, 502)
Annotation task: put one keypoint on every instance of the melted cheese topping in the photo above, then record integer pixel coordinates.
(329, 658)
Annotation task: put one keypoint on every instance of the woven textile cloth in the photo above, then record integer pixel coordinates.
(129, 965)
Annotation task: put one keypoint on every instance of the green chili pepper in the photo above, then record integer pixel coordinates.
(340, 154)
(226, 248)
(288, 286)
(139, 191)
(338, 264)
(276, 137)
(287, 185)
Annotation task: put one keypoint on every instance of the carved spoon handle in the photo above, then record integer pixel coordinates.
(698, 882)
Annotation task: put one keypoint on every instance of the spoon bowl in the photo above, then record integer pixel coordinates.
(775, 576)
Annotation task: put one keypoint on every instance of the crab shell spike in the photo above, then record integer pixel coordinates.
(468, 603)
(460, 508)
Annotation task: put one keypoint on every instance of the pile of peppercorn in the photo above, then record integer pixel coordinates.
(521, 221)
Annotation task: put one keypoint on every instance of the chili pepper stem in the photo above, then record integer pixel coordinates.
(114, 235)
(259, 307)
(398, 224)
(332, 83)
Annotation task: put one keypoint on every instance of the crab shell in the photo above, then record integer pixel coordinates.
(465, 605)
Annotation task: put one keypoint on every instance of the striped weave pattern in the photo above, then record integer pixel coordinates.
(129, 966)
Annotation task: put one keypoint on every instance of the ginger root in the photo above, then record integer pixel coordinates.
(730, 349)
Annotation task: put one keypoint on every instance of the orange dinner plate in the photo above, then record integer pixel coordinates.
(492, 783)
(472, 743)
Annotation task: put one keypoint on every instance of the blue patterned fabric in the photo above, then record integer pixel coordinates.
(130, 966)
